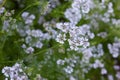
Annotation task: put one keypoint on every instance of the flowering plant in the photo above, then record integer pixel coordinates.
(59, 39)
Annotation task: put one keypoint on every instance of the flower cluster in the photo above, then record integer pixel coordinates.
(114, 48)
(28, 18)
(14, 73)
(8, 23)
(79, 7)
(78, 44)
(78, 35)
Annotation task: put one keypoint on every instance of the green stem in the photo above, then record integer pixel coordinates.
(44, 50)
(34, 4)
(35, 54)
(8, 61)
(2, 3)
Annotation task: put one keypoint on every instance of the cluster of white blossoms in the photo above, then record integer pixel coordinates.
(50, 28)
(84, 62)
(71, 62)
(95, 52)
(73, 15)
(99, 64)
(78, 36)
(108, 15)
(14, 73)
(34, 37)
(8, 23)
(53, 3)
(79, 7)
(61, 38)
(109, 12)
(28, 18)
(114, 48)
(68, 69)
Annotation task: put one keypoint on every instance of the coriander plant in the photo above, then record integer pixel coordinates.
(60, 39)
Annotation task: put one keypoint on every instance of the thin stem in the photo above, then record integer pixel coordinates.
(2, 3)
(34, 4)
(8, 61)
(35, 54)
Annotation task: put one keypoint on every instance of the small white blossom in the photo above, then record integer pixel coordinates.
(114, 49)
(116, 67)
(29, 50)
(25, 15)
(102, 34)
(73, 14)
(61, 38)
(98, 64)
(28, 18)
(68, 69)
(60, 62)
(64, 27)
(38, 44)
(110, 77)
(103, 71)
(85, 8)
(118, 75)
(72, 78)
(87, 54)
(32, 17)
(36, 33)
(2, 9)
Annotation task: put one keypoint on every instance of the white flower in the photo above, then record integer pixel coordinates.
(98, 64)
(2, 9)
(28, 21)
(114, 49)
(87, 54)
(102, 34)
(29, 50)
(110, 77)
(38, 44)
(85, 8)
(61, 38)
(6, 71)
(36, 33)
(32, 17)
(68, 69)
(23, 46)
(72, 78)
(60, 62)
(116, 67)
(28, 18)
(103, 71)
(25, 15)
(28, 39)
(73, 46)
(76, 4)
(64, 27)
(73, 14)
(110, 7)
(118, 75)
